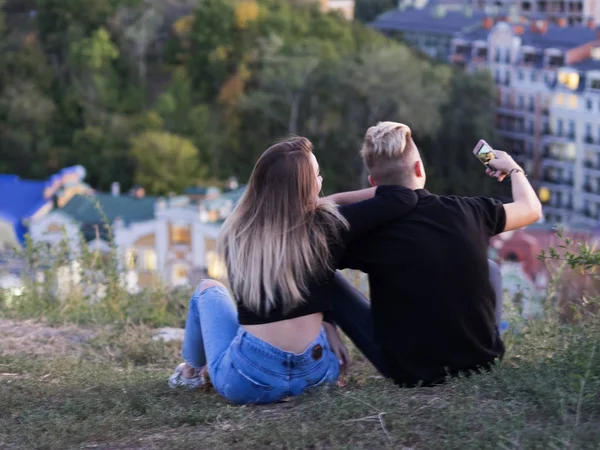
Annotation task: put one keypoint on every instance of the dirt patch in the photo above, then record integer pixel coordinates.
(39, 339)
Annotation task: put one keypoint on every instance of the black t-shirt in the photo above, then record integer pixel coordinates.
(432, 301)
(389, 204)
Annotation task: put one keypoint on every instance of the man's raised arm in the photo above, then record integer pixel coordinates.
(525, 208)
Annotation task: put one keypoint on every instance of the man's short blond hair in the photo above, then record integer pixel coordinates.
(385, 152)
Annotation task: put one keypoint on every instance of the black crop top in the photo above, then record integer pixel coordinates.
(389, 204)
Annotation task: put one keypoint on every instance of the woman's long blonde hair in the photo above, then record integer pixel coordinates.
(277, 239)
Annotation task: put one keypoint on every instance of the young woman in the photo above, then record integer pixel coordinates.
(280, 245)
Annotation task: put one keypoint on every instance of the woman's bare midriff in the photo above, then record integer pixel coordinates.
(292, 335)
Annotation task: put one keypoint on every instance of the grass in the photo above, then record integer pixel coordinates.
(113, 395)
(79, 370)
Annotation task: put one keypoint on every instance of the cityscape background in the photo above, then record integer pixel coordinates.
(126, 125)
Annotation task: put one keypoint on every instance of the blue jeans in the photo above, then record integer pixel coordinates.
(243, 368)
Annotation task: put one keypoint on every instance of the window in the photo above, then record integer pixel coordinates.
(556, 61)
(180, 275)
(571, 128)
(558, 201)
(521, 75)
(588, 130)
(560, 99)
(588, 104)
(559, 127)
(569, 80)
(595, 83)
(569, 152)
(507, 56)
(215, 266)
(533, 77)
(531, 103)
(572, 102)
(130, 259)
(180, 235)
(520, 102)
(530, 126)
(149, 261)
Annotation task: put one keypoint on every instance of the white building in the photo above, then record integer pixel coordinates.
(548, 107)
(166, 240)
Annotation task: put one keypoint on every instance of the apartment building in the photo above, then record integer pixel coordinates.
(572, 155)
(431, 25)
(548, 106)
(574, 12)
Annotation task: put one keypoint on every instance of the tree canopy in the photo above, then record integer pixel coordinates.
(174, 92)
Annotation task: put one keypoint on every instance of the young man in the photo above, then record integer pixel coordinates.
(432, 303)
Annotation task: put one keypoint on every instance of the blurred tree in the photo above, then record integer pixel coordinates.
(466, 117)
(165, 162)
(80, 78)
(285, 81)
(215, 47)
(386, 84)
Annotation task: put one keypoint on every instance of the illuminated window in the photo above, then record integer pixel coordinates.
(180, 235)
(215, 266)
(560, 99)
(149, 260)
(544, 195)
(569, 79)
(180, 275)
(130, 259)
(572, 102)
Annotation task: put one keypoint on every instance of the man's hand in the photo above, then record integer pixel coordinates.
(525, 208)
(501, 166)
(337, 346)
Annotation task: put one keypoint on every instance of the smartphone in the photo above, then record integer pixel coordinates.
(484, 152)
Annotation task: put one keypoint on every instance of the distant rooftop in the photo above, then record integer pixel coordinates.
(129, 209)
(555, 37)
(560, 37)
(426, 20)
(234, 196)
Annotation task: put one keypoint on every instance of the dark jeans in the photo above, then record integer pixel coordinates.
(352, 313)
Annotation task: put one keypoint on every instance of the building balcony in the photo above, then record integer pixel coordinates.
(513, 133)
(555, 182)
(510, 110)
(559, 138)
(582, 219)
(549, 160)
(591, 168)
(590, 214)
(592, 143)
(590, 193)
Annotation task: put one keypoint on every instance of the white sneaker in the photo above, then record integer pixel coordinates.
(178, 380)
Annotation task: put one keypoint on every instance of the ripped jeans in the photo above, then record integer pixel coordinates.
(243, 368)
